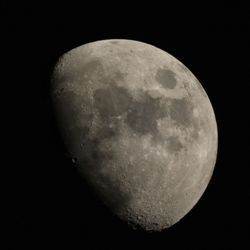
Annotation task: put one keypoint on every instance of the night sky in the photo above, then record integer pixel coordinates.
(47, 204)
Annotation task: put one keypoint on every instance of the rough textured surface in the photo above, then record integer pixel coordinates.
(140, 126)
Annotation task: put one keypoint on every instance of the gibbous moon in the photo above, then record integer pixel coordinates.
(140, 127)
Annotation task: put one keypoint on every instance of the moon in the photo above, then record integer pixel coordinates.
(139, 126)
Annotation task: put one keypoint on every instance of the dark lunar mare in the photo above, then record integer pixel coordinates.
(166, 78)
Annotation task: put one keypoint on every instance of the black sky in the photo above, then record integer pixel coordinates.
(48, 205)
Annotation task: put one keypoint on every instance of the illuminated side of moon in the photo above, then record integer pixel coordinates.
(141, 127)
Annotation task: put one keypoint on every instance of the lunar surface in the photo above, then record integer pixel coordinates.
(140, 128)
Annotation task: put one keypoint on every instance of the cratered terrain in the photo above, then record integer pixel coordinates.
(140, 127)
